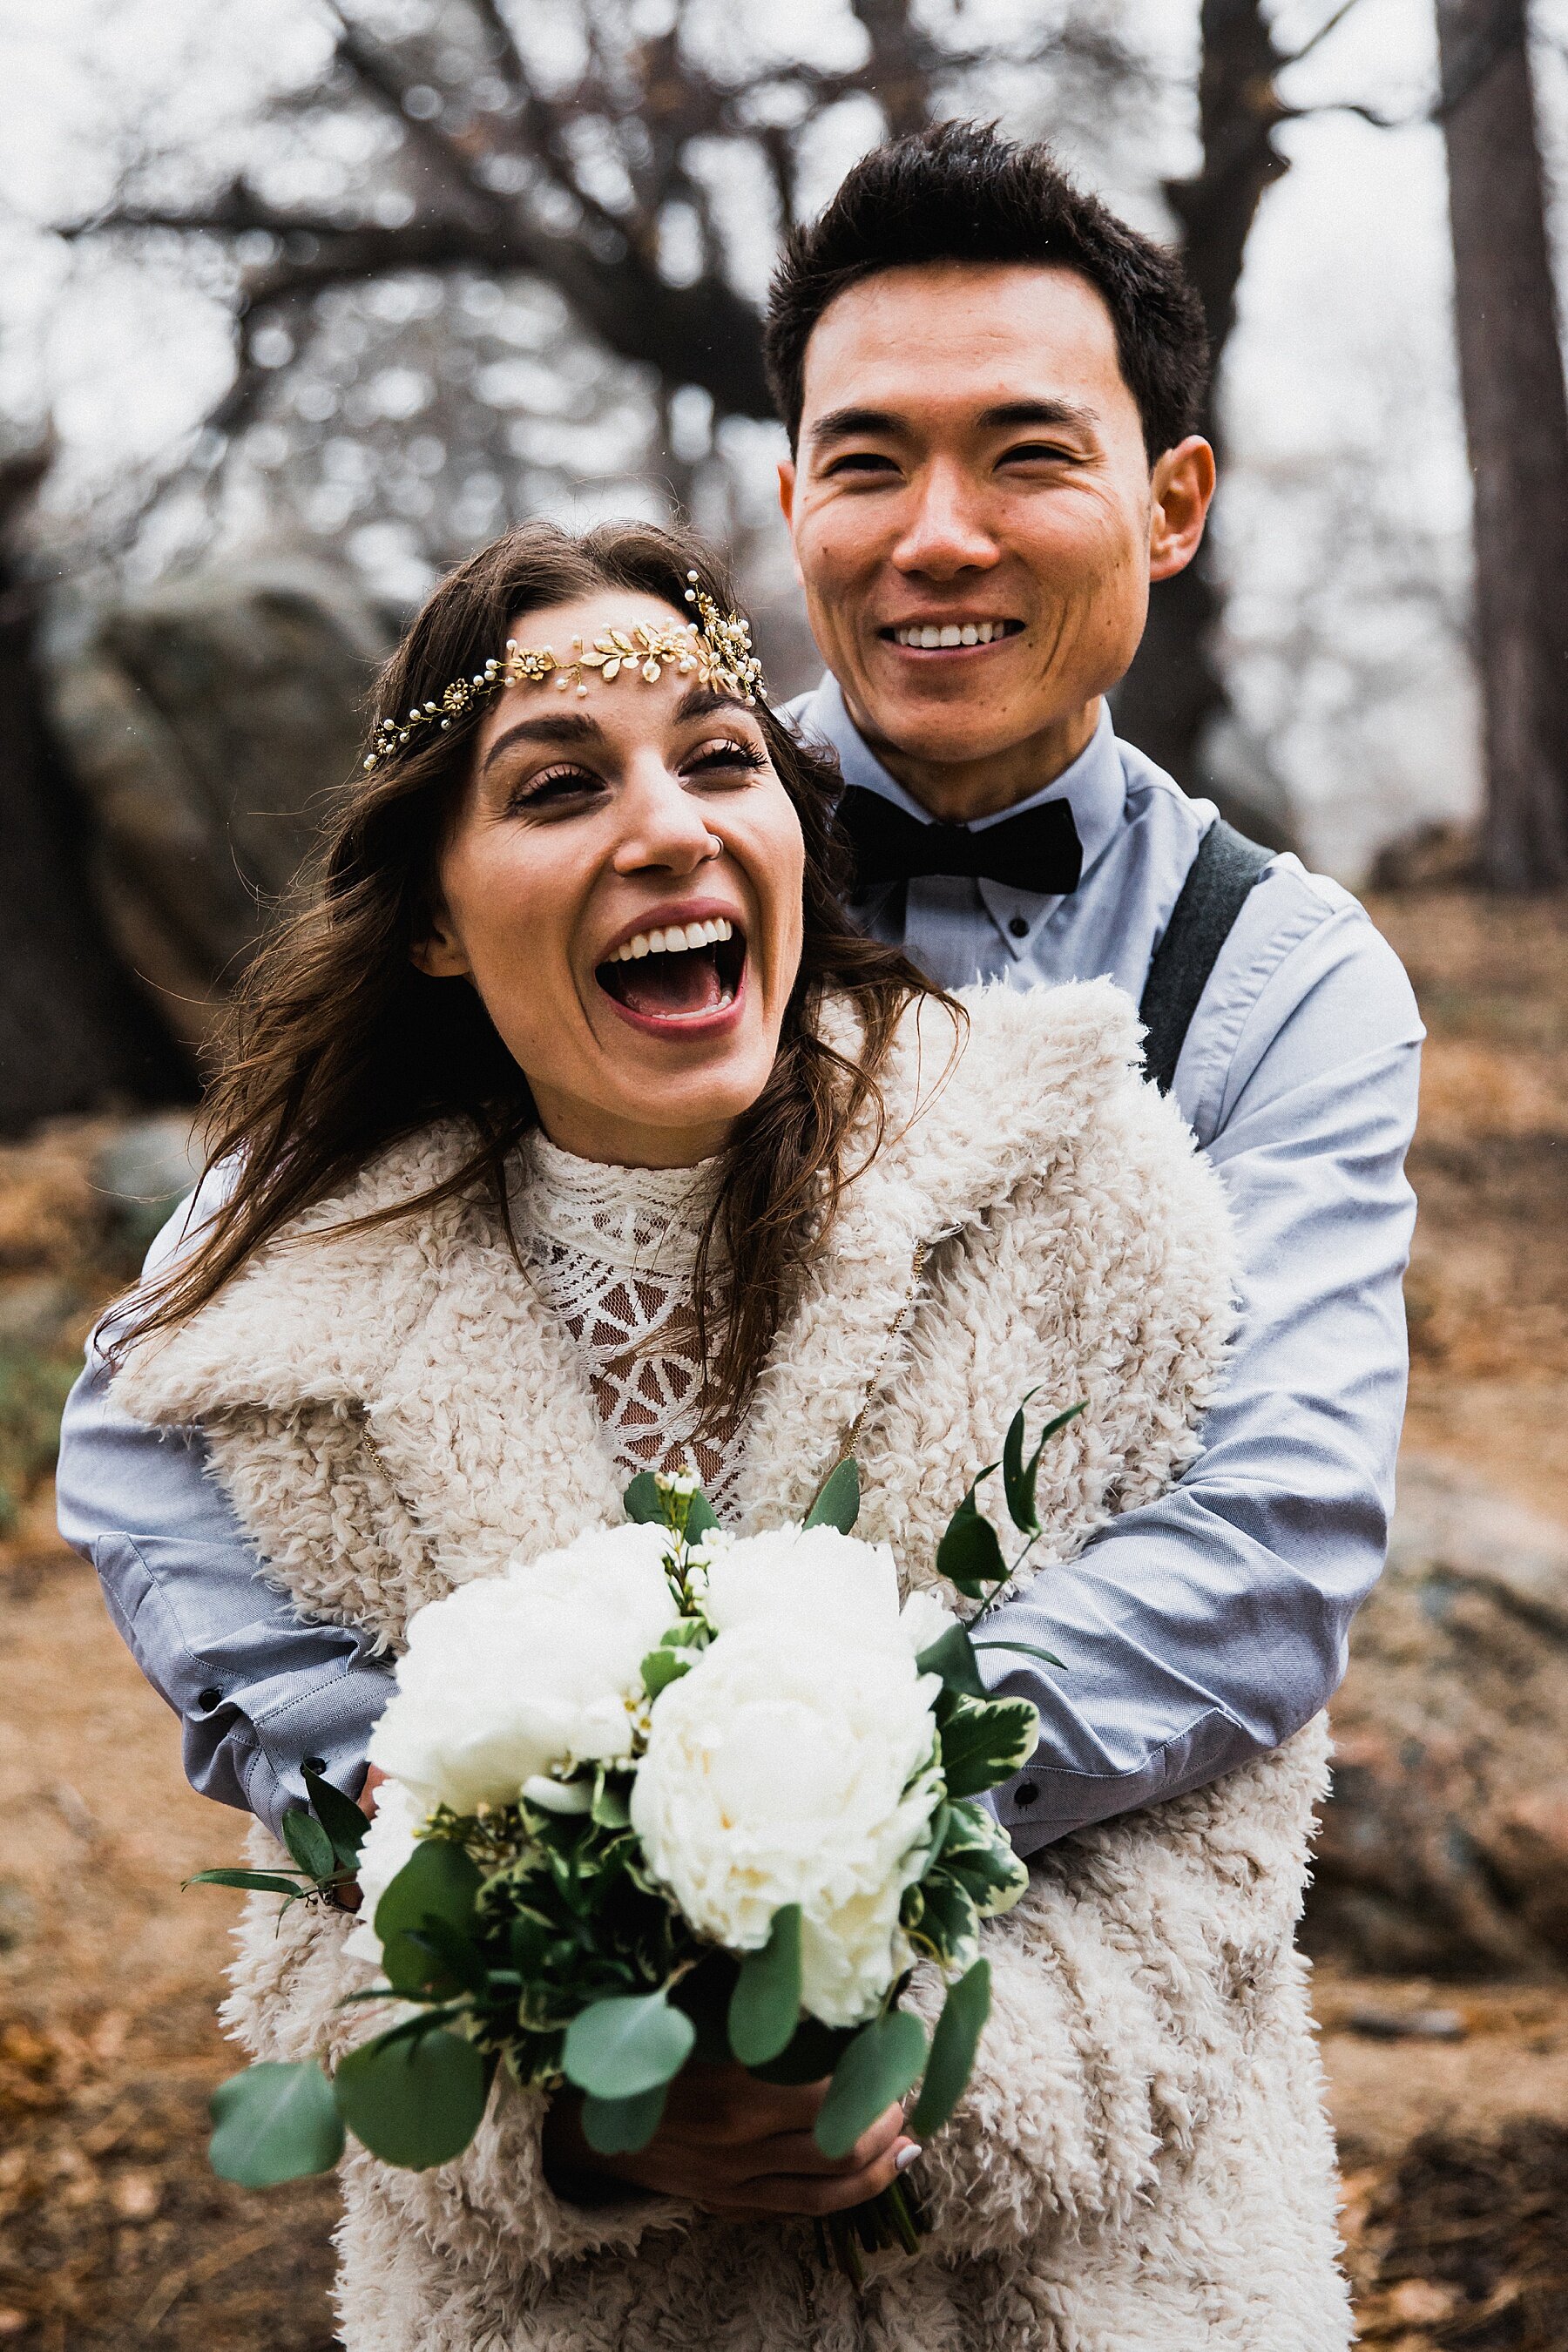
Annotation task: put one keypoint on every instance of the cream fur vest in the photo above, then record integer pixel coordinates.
(1141, 2162)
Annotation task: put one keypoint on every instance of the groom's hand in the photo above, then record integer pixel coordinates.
(737, 2148)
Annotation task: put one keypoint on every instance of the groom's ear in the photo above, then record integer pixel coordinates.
(786, 508)
(1181, 489)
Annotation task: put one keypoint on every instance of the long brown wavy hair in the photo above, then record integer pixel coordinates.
(335, 1045)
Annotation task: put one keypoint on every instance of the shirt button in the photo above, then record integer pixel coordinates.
(1018, 928)
(209, 1698)
(1026, 1793)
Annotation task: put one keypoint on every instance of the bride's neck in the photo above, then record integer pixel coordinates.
(589, 1133)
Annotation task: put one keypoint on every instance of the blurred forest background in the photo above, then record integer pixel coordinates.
(300, 300)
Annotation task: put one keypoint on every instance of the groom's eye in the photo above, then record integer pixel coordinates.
(859, 461)
(1039, 453)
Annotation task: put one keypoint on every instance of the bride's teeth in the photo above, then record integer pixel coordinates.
(675, 941)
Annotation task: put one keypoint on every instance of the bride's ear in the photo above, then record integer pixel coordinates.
(441, 955)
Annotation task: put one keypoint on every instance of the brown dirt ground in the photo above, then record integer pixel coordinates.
(112, 2231)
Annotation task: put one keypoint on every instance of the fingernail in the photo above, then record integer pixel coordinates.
(906, 2156)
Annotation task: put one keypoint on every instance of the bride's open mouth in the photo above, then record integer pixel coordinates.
(682, 979)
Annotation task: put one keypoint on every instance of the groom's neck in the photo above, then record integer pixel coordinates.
(958, 787)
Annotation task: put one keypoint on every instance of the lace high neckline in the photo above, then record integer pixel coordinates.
(614, 1251)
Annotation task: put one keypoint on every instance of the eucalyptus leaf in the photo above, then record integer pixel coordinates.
(661, 1667)
(339, 1816)
(309, 1844)
(414, 2100)
(952, 2049)
(838, 1504)
(274, 2123)
(256, 1882)
(621, 2127)
(878, 2067)
(642, 1502)
(984, 1741)
(1018, 1481)
(969, 1554)
(764, 2007)
(702, 1518)
(438, 1881)
(951, 1656)
(620, 2048)
(1025, 1650)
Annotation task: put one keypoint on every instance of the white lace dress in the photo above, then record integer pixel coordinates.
(614, 1250)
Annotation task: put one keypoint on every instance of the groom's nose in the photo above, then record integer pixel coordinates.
(945, 529)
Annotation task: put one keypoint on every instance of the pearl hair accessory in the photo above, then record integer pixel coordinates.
(716, 649)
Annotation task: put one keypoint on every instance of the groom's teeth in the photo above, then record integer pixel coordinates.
(928, 637)
(675, 941)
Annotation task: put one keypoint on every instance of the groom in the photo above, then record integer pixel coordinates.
(990, 385)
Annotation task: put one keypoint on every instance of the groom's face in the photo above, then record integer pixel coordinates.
(971, 463)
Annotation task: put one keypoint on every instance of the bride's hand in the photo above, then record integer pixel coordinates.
(736, 2147)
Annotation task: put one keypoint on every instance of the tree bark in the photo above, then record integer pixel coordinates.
(1173, 690)
(1516, 424)
(76, 1033)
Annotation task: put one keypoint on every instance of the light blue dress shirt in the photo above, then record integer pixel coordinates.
(1197, 1632)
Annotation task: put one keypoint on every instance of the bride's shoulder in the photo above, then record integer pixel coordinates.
(1016, 1054)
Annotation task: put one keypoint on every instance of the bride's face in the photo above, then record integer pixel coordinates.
(622, 885)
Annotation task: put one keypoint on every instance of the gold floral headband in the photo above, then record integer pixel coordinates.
(715, 649)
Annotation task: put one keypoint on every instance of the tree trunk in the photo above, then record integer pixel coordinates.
(76, 1033)
(1173, 690)
(1516, 424)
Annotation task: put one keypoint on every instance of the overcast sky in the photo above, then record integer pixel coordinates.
(1341, 400)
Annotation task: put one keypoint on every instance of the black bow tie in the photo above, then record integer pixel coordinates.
(1037, 850)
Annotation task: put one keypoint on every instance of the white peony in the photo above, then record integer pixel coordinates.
(923, 1620)
(513, 1674)
(815, 1577)
(810, 1577)
(389, 1842)
(795, 1766)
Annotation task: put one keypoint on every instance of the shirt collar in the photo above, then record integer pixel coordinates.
(1093, 786)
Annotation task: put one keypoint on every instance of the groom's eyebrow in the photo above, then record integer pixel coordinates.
(854, 424)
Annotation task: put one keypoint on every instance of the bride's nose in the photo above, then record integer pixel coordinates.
(662, 824)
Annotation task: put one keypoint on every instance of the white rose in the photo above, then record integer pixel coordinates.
(513, 1674)
(796, 1767)
(809, 1576)
(389, 1842)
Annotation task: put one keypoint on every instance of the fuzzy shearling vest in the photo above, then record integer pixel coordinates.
(1141, 2162)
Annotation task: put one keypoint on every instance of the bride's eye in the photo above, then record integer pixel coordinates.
(552, 788)
(728, 756)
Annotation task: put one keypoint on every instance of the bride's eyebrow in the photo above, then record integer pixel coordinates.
(702, 701)
(564, 727)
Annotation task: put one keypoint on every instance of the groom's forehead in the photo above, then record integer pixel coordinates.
(971, 339)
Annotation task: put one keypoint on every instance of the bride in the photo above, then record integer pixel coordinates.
(569, 1129)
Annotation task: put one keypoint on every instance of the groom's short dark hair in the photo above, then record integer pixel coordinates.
(959, 191)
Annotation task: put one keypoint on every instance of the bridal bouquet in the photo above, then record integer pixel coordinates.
(666, 1794)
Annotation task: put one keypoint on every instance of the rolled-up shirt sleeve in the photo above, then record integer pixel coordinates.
(258, 1689)
(1205, 1629)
